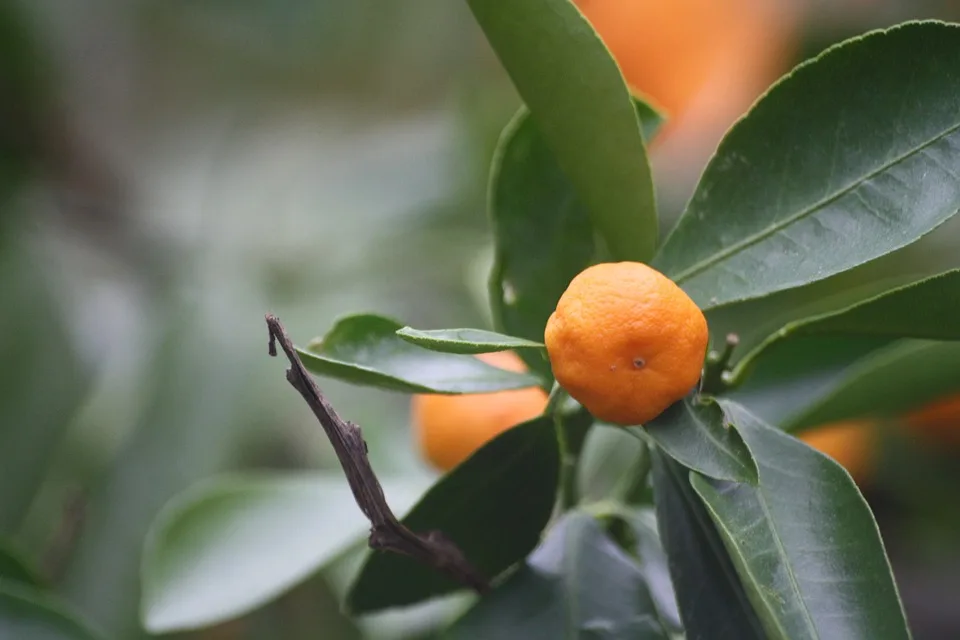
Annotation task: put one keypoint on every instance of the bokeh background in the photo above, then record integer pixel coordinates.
(171, 170)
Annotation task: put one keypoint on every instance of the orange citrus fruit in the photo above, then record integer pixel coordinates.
(680, 52)
(850, 443)
(449, 428)
(626, 342)
(938, 421)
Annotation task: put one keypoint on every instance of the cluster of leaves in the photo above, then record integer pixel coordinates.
(747, 532)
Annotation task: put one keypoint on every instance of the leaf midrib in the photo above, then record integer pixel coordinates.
(749, 241)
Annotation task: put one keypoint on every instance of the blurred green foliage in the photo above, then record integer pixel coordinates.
(169, 171)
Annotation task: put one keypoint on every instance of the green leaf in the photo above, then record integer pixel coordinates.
(578, 584)
(650, 119)
(14, 567)
(795, 373)
(694, 434)
(903, 376)
(853, 155)
(755, 321)
(653, 563)
(812, 380)
(927, 308)
(711, 599)
(586, 117)
(543, 234)
(465, 341)
(42, 379)
(804, 542)
(31, 614)
(366, 350)
(229, 545)
(493, 506)
(610, 463)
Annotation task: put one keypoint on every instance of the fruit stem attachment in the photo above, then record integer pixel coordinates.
(571, 434)
(716, 375)
(387, 533)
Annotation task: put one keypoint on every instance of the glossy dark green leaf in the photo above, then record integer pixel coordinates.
(759, 320)
(929, 308)
(582, 107)
(712, 602)
(695, 435)
(31, 614)
(14, 567)
(853, 155)
(465, 341)
(805, 545)
(229, 545)
(493, 506)
(366, 350)
(577, 584)
(543, 234)
(811, 380)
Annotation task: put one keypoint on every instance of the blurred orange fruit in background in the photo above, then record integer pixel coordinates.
(937, 422)
(449, 428)
(852, 444)
(718, 54)
(702, 62)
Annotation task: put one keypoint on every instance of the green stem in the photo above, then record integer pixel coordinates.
(571, 434)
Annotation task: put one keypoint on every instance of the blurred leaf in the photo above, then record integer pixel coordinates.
(654, 565)
(195, 408)
(493, 506)
(902, 376)
(812, 380)
(694, 434)
(578, 583)
(795, 373)
(30, 614)
(804, 542)
(42, 380)
(608, 463)
(543, 234)
(14, 567)
(589, 121)
(925, 309)
(862, 142)
(24, 111)
(366, 350)
(711, 599)
(229, 545)
(465, 341)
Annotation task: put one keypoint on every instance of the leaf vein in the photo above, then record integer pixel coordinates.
(749, 241)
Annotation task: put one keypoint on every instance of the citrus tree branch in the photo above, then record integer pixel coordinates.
(432, 548)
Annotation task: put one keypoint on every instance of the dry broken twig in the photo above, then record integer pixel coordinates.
(386, 532)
